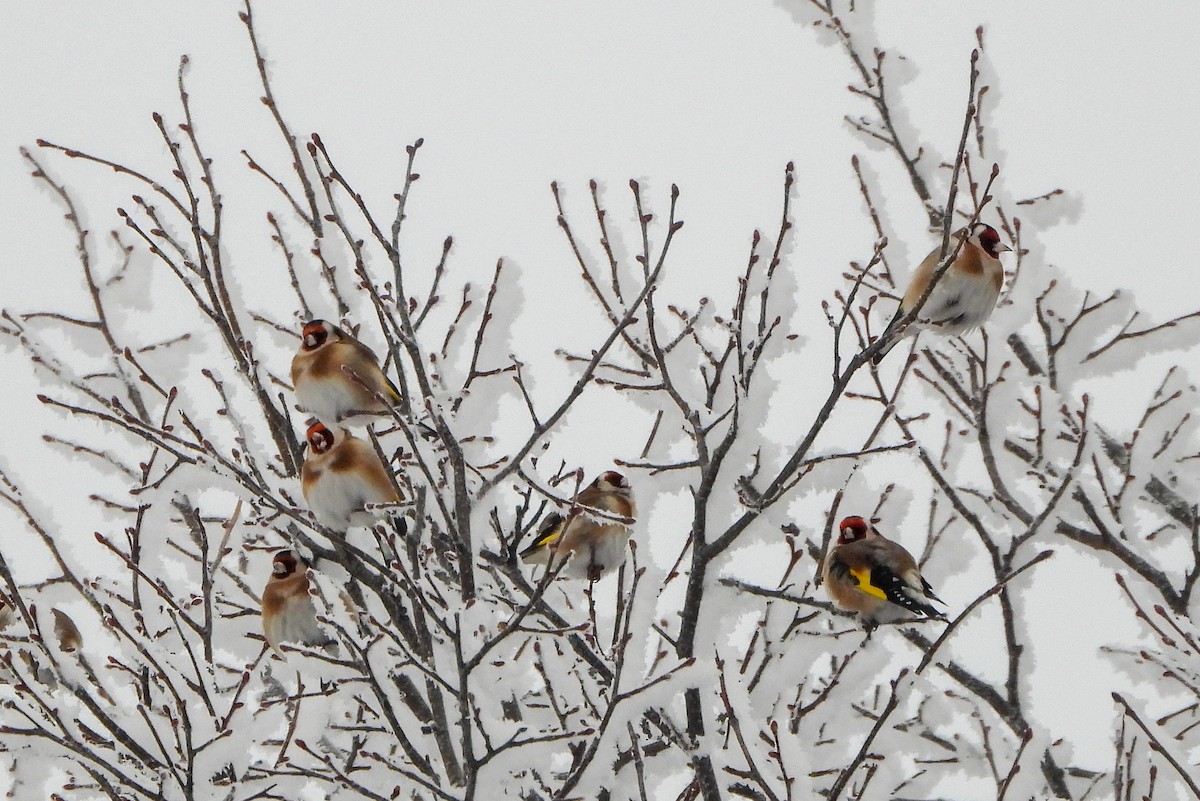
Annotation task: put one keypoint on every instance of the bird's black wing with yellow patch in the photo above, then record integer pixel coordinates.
(549, 531)
(877, 580)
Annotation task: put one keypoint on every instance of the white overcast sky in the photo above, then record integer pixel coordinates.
(1095, 97)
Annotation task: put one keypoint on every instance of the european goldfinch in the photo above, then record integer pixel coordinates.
(288, 614)
(69, 638)
(341, 475)
(337, 378)
(869, 574)
(963, 297)
(593, 535)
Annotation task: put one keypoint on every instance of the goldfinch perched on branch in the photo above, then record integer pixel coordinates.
(341, 475)
(593, 535)
(337, 378)
(964, 296)
(69, 638)
(7, 614)
(869, 574)
(288, 614)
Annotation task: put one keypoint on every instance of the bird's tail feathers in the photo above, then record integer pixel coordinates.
(930, 612)
(929, 593)
(878, 357)
(921, 602)
(392, 393)
(889, 334)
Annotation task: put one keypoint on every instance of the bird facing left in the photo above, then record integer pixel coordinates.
(867, 573)
(337, 378)
(341, 475)
(288, 614)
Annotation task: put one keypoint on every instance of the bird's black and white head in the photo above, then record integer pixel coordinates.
(612, 481)
(317, 332)
(285, 564)
(987, 239)
(320, 438)
(852, 529)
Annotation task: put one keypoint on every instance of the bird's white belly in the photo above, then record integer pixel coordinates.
(326, 399)
(295, 624)
(606, 553)
(888, 612)
(960, 303)
(335, 497)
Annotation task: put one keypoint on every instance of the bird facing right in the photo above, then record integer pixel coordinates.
(869, 574)
(593, 535)
(341, 475)
(963, 297)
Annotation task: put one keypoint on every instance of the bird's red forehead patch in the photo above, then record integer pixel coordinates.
(314, 334)
(852, 528)
(614, 479)
(284, 563)
(319, 437)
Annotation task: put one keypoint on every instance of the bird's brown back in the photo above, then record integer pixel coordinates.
(353, 452)
(873, 551)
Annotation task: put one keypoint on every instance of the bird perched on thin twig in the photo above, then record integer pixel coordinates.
(963, 297)
(337, 378)
(869, 574)
(69, 638)
(288, 614)
(341, 475)
(593, 535)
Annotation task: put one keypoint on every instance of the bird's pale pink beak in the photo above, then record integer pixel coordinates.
(1003, 248)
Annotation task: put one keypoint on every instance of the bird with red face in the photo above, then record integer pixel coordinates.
(869, 574)
(963, 297)
(341, 475)
(593, 535)
(337, 378)
(288, 614)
